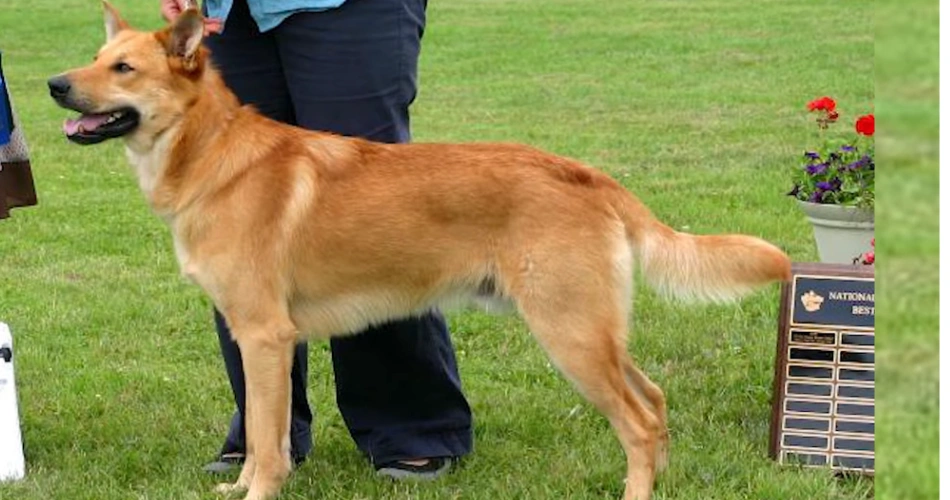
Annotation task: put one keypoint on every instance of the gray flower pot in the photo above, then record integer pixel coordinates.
(841, 232)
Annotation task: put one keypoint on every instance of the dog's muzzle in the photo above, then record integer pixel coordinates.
(90, 127)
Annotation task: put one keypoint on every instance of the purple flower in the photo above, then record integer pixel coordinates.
(861, 163)
(833, 185)
(816, 196)
(817, 168)
(847, 148)
(813, 155)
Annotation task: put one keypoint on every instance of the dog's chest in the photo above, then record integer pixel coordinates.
(183, 229)
(149, 163)
(185, 263)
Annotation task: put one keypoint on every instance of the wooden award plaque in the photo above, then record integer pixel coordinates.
(823, 394)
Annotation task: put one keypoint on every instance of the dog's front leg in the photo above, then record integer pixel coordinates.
(244, 479)
(267, 354)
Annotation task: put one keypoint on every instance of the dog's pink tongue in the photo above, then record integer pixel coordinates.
(86, 123)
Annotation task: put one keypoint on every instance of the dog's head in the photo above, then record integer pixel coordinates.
(138, 85)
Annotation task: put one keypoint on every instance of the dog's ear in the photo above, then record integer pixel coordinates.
(114, 22)
(184, 38)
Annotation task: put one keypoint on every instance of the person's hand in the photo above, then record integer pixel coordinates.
(171, 9)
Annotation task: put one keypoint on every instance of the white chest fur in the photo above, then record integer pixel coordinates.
(188, 269)
(149, 162)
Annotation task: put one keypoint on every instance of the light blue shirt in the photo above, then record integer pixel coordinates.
(269, 13)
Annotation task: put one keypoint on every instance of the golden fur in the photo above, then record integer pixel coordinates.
(297, 234)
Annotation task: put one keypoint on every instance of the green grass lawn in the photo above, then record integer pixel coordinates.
(906, 65)
(697, 107)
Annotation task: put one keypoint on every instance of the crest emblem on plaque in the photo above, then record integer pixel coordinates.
(812, 301)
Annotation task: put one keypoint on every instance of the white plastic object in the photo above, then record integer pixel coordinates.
(12, 465)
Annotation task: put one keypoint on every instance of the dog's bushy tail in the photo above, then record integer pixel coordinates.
(716, 268)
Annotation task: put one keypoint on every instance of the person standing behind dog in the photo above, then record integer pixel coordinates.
(348, 67)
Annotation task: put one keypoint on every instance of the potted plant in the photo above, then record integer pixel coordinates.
(834, 184)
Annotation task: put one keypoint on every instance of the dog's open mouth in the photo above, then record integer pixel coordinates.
(96, 127)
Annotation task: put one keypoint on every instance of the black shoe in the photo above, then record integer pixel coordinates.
(225, 464)
(432, 469)
(232, 462)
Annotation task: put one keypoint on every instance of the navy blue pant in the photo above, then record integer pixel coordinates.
(351, 70)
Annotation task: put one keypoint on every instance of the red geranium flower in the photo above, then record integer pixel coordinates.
(839, 170)
(865, 125)
(823, 104)
(866, 258)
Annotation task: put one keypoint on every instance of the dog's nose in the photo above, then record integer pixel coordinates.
(59, 86)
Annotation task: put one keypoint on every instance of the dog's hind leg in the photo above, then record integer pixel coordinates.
(641, 383)
(267, 354)
(584, 334)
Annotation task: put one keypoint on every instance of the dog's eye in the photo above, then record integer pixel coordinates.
(121, 67)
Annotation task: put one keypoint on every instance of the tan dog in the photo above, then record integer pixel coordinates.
(297, 234)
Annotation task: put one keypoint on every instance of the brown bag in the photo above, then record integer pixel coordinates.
(16, 178)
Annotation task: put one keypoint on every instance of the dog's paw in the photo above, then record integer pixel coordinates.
(229, 488)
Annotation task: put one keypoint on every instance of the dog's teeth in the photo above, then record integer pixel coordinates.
(81, 129)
